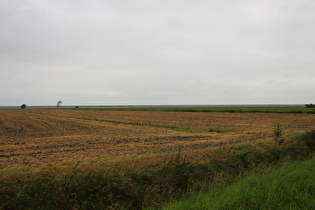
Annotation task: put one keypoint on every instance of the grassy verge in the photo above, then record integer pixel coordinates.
(137, 186)
(289, 187)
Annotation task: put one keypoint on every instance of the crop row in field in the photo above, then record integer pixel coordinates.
(199, 121)
(38, 137)
(139, 183)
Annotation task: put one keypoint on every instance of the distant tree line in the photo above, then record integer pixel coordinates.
(23, 106)
(309, 105)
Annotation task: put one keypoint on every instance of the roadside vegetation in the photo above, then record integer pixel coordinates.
(289, 187)
(137, 184)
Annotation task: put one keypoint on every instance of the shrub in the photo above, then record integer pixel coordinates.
(308, 139)
(278, 134)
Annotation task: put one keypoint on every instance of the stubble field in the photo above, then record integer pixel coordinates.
(36, 138)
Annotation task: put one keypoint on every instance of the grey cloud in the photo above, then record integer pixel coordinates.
(156, 52)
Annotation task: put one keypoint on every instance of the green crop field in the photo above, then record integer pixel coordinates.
(262, 109)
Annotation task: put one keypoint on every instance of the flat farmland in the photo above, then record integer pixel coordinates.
(35, 138)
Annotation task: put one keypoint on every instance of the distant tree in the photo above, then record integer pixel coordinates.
(309, 105)
(77, 107)
(59, 104)
(23, 106)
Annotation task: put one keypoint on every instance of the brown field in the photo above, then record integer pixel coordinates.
(39, 137)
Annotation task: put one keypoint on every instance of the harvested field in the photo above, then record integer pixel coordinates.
(38, 137)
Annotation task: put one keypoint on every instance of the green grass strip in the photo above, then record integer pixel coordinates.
(289, 187)
(231, 109)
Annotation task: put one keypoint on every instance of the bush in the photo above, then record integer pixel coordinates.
(308, 140)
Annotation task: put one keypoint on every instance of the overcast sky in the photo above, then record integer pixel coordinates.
(102, 52)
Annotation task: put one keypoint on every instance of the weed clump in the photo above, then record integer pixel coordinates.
(278, 134)
(308, 140)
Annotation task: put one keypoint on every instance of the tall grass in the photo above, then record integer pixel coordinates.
(139, 186)
(289, 187)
